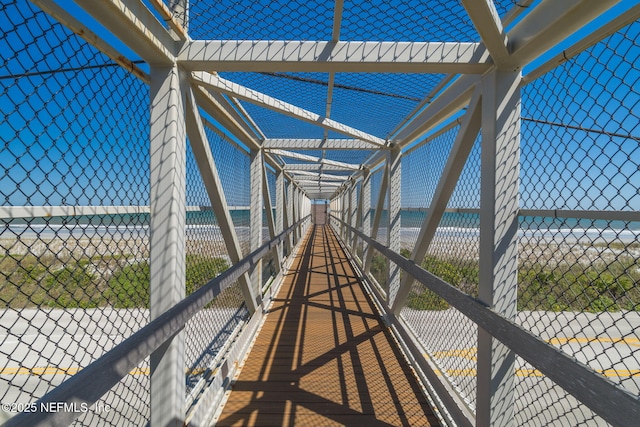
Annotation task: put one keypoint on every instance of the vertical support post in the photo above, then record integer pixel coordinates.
(345, 212)
(351, 218)
(377, 217)
(290, 219)
(271, 224)
(498, 275)
(394, 194)
(300, 213)
(167, 237)
(280, 210)
(294, 211)
(365, 196)
(255, 222)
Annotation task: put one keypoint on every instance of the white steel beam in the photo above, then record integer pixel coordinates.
(319, 144)
(449, 102)
(291, 167)
(288, 213)
(308, 158)
(542, 28)
(255, 220)
(377, 217)
(498, 254)
(234, 110)
(245, 115)
(334, 56)
(551, 22)
(268, 209)
(365, 209)
(217, 83)
(225, 117)
(281, 209)
(180, 8)
(266, 195)
(338, 7)
(328, 177)
(301, 180)
(296, 213)
(302, 183)
(448, 179)
(211, 180)
(61, 15)
(427, 99)
(134, 24)
(486, 19)
(323, 188)
(394, 214)
(167, 264)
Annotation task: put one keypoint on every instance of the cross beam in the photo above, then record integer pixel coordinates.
(334, 56)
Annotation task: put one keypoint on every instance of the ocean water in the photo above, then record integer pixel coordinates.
(136, 225)
(467, 225)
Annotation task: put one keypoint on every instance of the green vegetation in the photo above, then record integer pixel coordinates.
(379, 268)
(426, 300)
(599, 287)
(28, 281)
(129, 286)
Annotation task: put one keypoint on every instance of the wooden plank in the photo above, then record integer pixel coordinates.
(323, 357)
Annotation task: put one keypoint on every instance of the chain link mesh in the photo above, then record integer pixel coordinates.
(270, 261)
(74, 266)
(447, 335)
(233, 169)
(210, 330)
(579, 272)
(579, 256)
(74, 139)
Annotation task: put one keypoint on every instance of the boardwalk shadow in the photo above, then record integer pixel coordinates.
(323, 356)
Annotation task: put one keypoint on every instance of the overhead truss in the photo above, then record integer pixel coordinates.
(335, 56)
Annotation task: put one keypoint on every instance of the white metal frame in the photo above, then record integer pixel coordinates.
(487, 84)
(167, 267)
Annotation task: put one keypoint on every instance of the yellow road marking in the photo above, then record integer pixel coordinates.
(471, 372)
(632, 341)
(464, 353)
(52, 370)
(471, 354)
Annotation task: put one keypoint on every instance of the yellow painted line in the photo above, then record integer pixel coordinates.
(51, 370)
(632, 341)
(464, 353)
(526, 373)
(47, 370)
(471, 354)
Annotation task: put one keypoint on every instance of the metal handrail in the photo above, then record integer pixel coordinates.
(88, 385)
(615, 405)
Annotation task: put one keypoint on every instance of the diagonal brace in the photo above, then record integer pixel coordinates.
(211, 180)
(447, 183)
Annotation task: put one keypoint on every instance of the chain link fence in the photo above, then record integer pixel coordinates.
(209, 331)
(74, 266)
(448, 336)
(579, 273)
(74, 232)
(579, 259)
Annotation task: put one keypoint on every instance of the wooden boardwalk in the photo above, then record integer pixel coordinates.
(322, 357)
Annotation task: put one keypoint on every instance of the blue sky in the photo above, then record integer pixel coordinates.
(80, 136)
